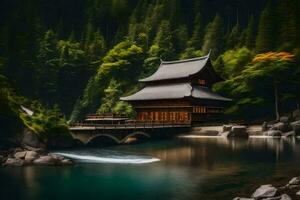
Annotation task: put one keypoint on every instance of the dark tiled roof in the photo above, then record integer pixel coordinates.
(206, 93)
(178, 69)
(174, 91)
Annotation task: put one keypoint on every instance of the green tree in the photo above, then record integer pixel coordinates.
(123, 63)
(162, 48)
(288, 24)
(112, 95)
(250, 34)
(163, 43)
(181, 37)
(194, 45)
(213, 39)
(74, 72)
(233, 38)
(48, 61)
(88, 34)
(197, 36)
(267, 30)
(96, 48)
(233, 62)
(123, 108)
(259, 87)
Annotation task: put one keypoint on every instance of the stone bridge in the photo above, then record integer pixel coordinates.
(123, 134)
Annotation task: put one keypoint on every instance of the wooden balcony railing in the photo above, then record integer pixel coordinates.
(135, 124)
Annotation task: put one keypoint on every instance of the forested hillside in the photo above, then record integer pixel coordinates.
(82, 55)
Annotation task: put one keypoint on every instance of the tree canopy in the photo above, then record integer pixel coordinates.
(67, 53)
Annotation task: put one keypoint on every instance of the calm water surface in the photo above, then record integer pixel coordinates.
(189, 168)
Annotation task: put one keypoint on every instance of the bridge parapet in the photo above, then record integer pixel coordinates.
(120, 133)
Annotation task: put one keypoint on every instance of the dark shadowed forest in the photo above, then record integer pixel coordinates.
(65, 59)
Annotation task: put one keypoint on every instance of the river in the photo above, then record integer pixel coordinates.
(181, 169)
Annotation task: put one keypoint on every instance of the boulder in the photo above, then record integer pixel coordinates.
(297, 129)
(295, 181)
(264, 191)
(30, 156)
(56, 157)
(224, 134)
(227, 128)
(283, 127)
(14, 162)
(296, 114)
(238, 131)
(45, 160)
(284, 119)
(295, 123)
(289, 134)
(20, 155)
(31, 139)
(265, 126)
(66, 162)
(273, 133)
(283, 197)
(298, 193)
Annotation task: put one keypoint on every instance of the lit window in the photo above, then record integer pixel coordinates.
(202, 82)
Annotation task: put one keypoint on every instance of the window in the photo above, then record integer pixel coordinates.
(172, 116)
(202, 82)
(199, 109)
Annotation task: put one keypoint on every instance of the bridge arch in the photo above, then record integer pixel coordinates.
(78, 142)
(102, 139)
(138, 134)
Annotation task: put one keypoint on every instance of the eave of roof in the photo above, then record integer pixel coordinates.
(174, 91)
(178, 69)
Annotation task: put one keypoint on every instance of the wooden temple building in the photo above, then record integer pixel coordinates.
(180, 92)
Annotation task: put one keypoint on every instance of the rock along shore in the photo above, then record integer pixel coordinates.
(269, 192)
(25, 157)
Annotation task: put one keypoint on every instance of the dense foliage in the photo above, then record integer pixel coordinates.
(83, 55)
(17, 113)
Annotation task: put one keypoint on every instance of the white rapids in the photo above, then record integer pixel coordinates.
(115, 159)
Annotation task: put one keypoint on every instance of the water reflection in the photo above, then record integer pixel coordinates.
(207, 151)
(190, 168)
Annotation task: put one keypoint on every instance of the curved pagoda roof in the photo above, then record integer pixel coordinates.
(178, 69)
(174, 91)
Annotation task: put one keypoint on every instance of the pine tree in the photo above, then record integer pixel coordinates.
(197, 36)
(242, 39)
(163, 46)
(88, 36)
(48, 62)
(288, 24)
(96, 47)
(267, 30)
(213, 39)
(233, 38)
(181, 38)
(250, 34)
(132, 29)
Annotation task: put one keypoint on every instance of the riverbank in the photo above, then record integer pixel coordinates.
(215, 130)
(275, 191)
(38, 157)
